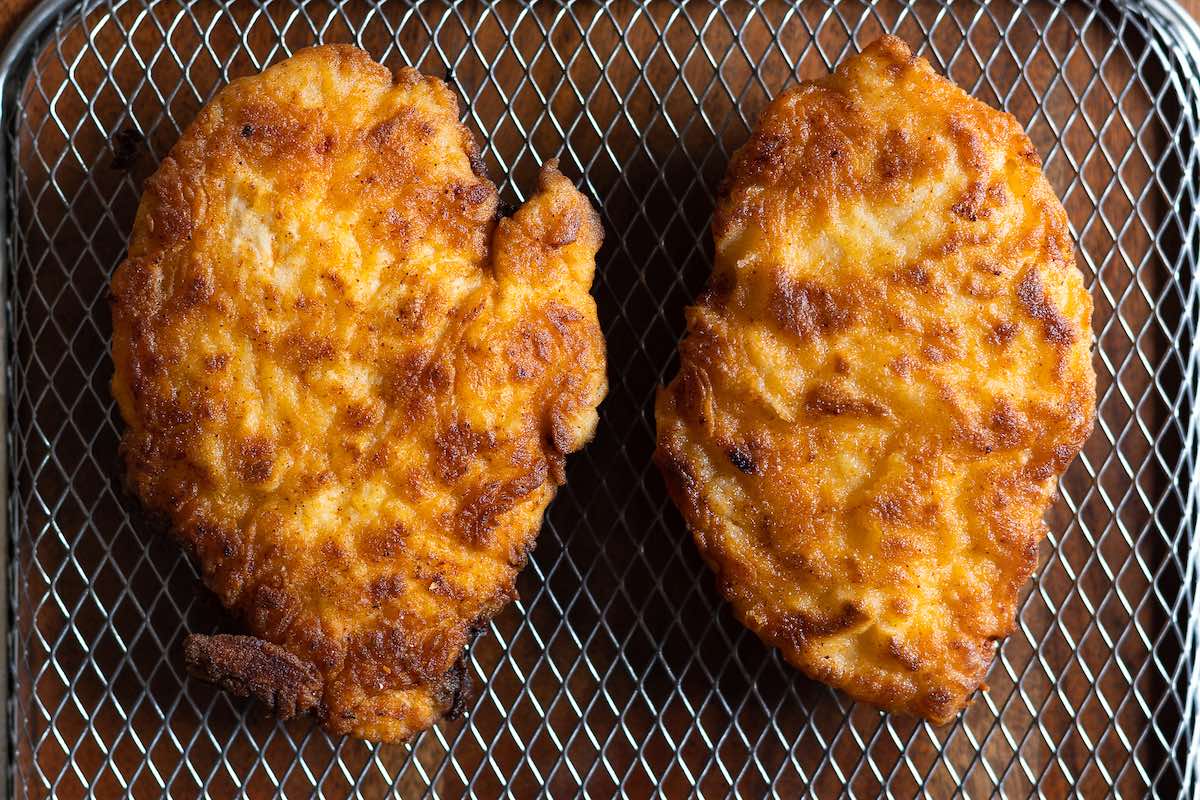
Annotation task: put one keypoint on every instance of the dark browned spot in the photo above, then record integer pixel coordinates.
(529, 351)
(207, 408)
(831, 400)
(1007, 425)
(219, 550)
(902, 606)
(970, 144)
(900, 158)
(1002, 333)
(384, 588)
(216, 362)
(938, 704)
(481, 511)
(439, 585)
(304, 350)
(806, 309)
(477, 164)
(415, 382)
(949, 244)
(901, 365)
(1032, 295)
(562, 317)
(742, 459)
(906, 655)
(1045, 464)
(971, 205)
(1057, 242)
(313, 482)
(997, 195)
(764, 154)
(269, 597)
(479, 193)
(378, 136)
(331, 551)
(473, 194)
(383, 543)
(412, 311)
(400, 655)
(454, 692)
(818, 149)
(797, 628)
(915, 276)
(336, 282)
(362, 415)
(382, 455)
(564, 228)
(889, 509)
(456, 446)
(556, 466)
(255, 459)
(517, 557)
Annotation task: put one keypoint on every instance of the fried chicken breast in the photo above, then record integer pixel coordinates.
(881, 383)
(349, 387)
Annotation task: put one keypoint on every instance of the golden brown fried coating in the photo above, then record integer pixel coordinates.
(347, 385)
(884, 378)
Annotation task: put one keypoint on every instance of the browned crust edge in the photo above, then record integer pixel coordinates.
(247, 666)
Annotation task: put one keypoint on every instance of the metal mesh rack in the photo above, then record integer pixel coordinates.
(618, 672)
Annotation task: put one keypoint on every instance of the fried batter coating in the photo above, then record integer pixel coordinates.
(884, 378)
(348, 386)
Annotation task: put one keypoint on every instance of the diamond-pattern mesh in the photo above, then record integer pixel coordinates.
(618, 672)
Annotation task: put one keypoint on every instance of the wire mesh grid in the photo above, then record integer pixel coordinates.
(618, 672)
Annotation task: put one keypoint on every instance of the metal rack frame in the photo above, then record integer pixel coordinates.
(618, 671)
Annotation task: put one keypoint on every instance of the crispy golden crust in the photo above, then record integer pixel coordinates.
(348, 386)
(888, 371)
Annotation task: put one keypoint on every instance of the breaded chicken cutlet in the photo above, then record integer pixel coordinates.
(887, 373)
(349, 387)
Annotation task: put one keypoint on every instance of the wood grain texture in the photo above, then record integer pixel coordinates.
(11, 14)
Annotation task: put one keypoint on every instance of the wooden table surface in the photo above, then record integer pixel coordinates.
(11, 12)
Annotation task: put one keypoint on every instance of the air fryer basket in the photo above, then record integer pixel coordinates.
(619, 671)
